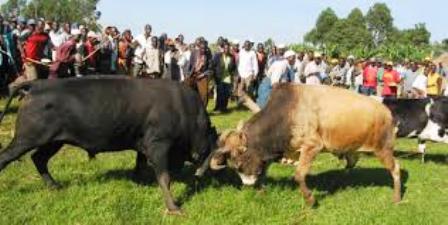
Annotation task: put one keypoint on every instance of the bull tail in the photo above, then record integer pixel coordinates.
(18, 90)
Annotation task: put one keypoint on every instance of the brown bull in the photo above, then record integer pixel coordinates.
(309, 120)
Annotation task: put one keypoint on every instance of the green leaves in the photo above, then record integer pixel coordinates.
(379, 22)
(372, 35)
(80, 11)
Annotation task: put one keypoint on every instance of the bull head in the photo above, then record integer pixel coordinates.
(231, 144)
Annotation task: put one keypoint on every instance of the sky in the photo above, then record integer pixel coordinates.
(286, 21)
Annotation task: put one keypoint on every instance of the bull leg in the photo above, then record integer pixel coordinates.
(13, 152)
(352, 159)
(387, 159)
(41, 158)
(141, 166)
(92, 156)
(422, 149)
(307, 155)
(157, 156)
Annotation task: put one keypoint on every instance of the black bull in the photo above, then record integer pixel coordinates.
(165, 122)
(424, 119)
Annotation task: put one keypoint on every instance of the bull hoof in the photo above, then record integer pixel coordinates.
(174, 212)
(55, 186)
(396, 200)
(310, 201)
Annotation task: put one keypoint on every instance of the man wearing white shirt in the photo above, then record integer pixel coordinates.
(55, 37)
(65, 34)
(420, 84)
(184, 61)
(299, 68)
(247, 69)
(281, 71)
(140, 43)
(314, 70)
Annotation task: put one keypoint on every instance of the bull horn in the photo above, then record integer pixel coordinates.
(250, 104)
(214, 163)
(203, 168)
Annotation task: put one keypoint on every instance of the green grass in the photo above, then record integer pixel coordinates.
(102, 192)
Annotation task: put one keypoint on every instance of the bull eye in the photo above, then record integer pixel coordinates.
(48, 106)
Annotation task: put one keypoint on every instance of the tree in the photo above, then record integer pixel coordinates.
(13, 7)
(269, 43)
(358, 34)
(379, 22)
(311, 37)
(356, 18)
(418, 36)
(79, 11)
(324, 23)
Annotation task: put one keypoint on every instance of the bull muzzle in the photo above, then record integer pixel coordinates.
(248, 180)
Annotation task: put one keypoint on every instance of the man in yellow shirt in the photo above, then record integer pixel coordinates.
(434, 82)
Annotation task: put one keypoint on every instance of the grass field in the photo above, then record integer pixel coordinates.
(103, 192)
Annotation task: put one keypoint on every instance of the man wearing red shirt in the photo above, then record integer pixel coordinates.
(391, 79)
(34, 50)
(369, 79)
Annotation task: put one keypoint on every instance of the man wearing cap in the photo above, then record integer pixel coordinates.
(276, 54)
(34, 50)
(434, 88)
(314, 70)
(339, 73)
(65, 64)
(282, 71)
(139, 44)
(91, 51)
(247, 69)
(391, 79)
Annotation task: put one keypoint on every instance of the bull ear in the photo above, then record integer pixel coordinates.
(242, 144)
(243, 139)
(219, 159)
(224, 136)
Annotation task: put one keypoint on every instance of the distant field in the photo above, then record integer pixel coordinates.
(103, 192)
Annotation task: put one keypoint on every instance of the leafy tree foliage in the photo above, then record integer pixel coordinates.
(379, 22)
(325, 22)
(373, 34)
(80, 11)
